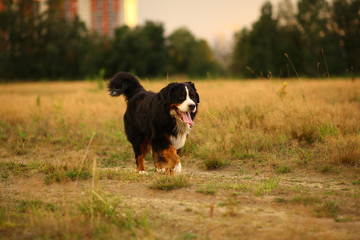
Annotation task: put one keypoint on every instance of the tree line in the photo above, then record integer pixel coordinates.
(45, 45)
(317, 39)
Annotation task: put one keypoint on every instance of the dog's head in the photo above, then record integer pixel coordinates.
(182, 100)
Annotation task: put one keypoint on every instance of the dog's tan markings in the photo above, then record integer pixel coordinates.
(167, 160)
(174, 105)
(143, 151)
(171, 156)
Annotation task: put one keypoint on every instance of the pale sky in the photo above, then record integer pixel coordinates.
(204, 18)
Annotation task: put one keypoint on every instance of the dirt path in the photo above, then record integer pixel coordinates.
(300, 206)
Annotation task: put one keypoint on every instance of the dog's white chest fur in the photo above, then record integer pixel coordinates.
(178, 141)
(183, 130)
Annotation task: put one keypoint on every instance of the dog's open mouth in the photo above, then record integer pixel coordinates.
(185, 116)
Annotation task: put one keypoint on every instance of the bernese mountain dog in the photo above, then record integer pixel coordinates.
(161, 120)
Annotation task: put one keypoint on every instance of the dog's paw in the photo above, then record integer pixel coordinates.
(143, 172)
(161, 170)
(177, 168)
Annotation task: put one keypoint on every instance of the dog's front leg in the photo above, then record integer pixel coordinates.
(167, 160)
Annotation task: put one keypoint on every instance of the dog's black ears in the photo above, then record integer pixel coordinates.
(165, 93)
(192, 85)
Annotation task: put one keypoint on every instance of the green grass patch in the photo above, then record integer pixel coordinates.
(187, 236)
(280, 200)
(95, 216)
(76, 174)
(209, 189)
(189, 148)
(4, 175)
(122, 175)
(115, 160)
(168, 182)
(327, 129)
(26, 205)
(243, 155)
(356, 182)
(306, 200)
(327, 209)
(213, 164)
(326, 169)
(238, 187)
(267, 186)
(63, 174)
(15, 168)
(283, 169)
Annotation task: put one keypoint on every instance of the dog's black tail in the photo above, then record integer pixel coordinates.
(124, 83)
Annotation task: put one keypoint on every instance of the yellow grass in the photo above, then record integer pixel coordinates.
(304, 134)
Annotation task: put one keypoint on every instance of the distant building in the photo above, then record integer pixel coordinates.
(102, 16)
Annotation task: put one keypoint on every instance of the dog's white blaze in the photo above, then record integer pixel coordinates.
(177, 168)
(184, 107)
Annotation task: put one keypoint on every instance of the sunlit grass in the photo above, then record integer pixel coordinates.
(249, 142)
(95, 215)
(236, 121)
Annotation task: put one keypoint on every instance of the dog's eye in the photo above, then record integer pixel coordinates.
(182, 96)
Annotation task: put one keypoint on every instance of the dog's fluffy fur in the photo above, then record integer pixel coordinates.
(161, 120)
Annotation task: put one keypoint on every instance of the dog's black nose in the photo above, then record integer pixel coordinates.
(191, 107)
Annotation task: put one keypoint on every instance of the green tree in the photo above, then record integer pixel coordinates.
(241, 54)
(60, 48)
(260, 52)
(38, 45)
(202, 62)
(189, 55)
(346, 15)
(157, 57)
(319, 39)
(140, 50)
(180, 49)
(290, 39)
(314, 20)
(17, 40)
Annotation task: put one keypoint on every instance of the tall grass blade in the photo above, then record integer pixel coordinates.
(292, 65)
(327, 69)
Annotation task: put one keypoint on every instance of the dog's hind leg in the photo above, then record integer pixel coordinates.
(140, 152)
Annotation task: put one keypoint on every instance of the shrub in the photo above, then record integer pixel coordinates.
(167, 182)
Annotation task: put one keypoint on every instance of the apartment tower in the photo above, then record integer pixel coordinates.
(101, 16)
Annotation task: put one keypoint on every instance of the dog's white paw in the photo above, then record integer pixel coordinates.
(143, 172)
(161, 170)
(177, 168)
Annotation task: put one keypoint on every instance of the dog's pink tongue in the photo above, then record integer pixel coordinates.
(187, 118)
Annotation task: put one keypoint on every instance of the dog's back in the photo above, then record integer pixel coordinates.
(142, 106)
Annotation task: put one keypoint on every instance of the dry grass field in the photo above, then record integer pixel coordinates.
(265, 160)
